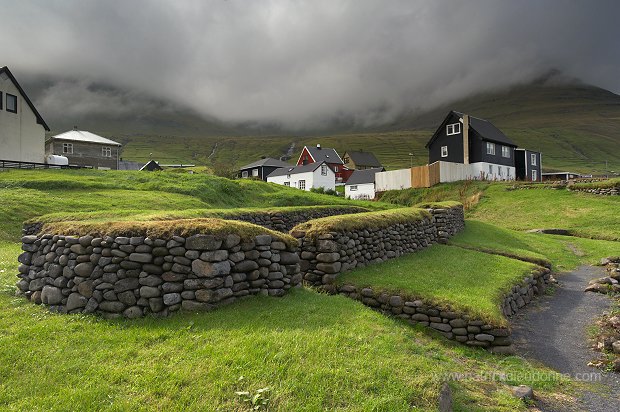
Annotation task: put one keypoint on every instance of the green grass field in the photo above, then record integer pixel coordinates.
(313, 351)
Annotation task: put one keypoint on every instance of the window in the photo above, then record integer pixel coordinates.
(106, 151)
(534, 175)
(67, 148)
(490, 148)
(490, 169)
(336, 169)
(288, 176)
(254, 172)
(505, 151)
(444, 151)
(323, 170)
(499, 170)
(302, 184)
(287, 184)
(11, 103)
(353, 188)
(453, 129)
(533, 156)
(244, 173)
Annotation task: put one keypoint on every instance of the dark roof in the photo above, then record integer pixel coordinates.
(364, 159)
(268, 161)
(484, 128)
(292, 170)
(324, 154)
(364, 176)
(151, 166)
(25, 96)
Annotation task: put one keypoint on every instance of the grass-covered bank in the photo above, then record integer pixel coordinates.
(26, 194)
(313, 351)
(465, 281)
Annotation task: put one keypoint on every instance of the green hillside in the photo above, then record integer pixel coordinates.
(576, 126)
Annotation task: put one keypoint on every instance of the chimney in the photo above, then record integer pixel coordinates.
(75, 128)
(466, 139)
(318, 146)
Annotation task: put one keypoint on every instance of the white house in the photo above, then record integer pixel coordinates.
(361, 184)
(22, 129)
(313, 175)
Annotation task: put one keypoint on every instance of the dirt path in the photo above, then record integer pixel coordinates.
(554, 331)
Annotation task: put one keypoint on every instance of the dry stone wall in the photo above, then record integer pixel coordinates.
(325, 256)
(135, 276)
(601, 191)
(278, 220)
(453, 325)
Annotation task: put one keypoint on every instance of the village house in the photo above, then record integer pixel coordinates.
(318, 154)
(528, 165)
(487, 153)
(305, 177)
(360, 160)
(85, 149)
(22, 129)
(361, 184)
(262, 168)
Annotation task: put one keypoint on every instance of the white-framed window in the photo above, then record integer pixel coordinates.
(505, 151)
(244, 173)
(287, 184)
(67, 148)
(533, 157)
(490, 148)
(106, 151)
(454, 128)
(11, 103)
(534, 175)
(323, 170)
(353, 188)
(444, 151)
(302, 184)
(490, 169)
(336, 169)
(254, 172)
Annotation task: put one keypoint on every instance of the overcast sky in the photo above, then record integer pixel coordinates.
(300, 61)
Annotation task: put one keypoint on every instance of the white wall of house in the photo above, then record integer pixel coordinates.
(361, 191)
(453, 172)
(393, 180)
(311, 180)
(21, 137)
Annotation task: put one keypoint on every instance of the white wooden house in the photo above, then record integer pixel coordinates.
(22, 129)
(306, 177)
(361, 184)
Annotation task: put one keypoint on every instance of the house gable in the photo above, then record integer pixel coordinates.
(5, 71)
(453, 143)
(305, 157)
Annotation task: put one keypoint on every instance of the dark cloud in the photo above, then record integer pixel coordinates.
(298, 62)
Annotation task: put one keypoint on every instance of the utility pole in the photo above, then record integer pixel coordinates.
(410, 160)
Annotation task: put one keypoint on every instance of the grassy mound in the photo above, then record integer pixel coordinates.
(605, 184)
(165, 229)
(369, 220)
(444, 276)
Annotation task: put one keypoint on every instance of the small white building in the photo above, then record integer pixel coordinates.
(361, 184)
(22, 129)
(306, 177)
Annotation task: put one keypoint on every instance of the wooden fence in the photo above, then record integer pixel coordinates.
(425, 176)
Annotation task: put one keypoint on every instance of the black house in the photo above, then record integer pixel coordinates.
(262, 168)
(528, 165)
(468, 140)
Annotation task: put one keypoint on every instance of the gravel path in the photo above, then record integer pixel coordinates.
(554, 331)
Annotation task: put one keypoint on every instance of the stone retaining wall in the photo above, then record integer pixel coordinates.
(279, 220)
(602, 191)
(325, 256)
(134, 276)
(455, 326)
